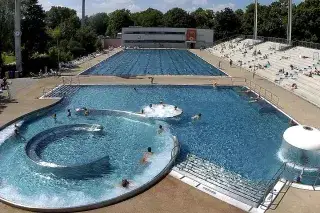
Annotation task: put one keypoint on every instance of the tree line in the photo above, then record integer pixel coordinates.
(58, 32)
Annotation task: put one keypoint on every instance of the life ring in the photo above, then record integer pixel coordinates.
(191, 38)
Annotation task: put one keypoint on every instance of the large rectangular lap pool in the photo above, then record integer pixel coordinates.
(153, 62)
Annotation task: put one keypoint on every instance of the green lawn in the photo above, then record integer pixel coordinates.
(8, 58)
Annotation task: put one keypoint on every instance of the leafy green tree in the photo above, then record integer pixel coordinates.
(117, 20)
(99, 22)
(178, 17)
(34, 37)
(306, 21)
(148, 18)
(226, 23)
(57, 15)
(203, 18)
(87, 38)
(6, 27)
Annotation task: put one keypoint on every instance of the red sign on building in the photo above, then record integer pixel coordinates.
(191, 35)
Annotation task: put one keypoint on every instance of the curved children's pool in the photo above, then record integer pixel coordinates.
(79, 161)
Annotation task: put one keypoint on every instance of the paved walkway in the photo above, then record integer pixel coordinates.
(171, 195)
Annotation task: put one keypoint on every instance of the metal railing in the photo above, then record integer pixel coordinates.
(263, 92)
(306, 175)
(272, 182)
(252, 193)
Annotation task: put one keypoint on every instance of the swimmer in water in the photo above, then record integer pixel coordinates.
(54, 116)
(196, 117)
(160, 130)
(161, 102)
(86, 112)
(246, 91)
(142, 111)
(256, 99)
(16, 131)
(125, 183)
(134, 89)
(150, 105)
(69, 113)
(146, 155)
(175, 107)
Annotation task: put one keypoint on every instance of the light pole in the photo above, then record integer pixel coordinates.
(83, 12)
(17, 35)
(255, 30)
(289, 30)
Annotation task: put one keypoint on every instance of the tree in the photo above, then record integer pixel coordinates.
(178, 17)
(99, 22)
(87, 38)
(226, 23)
(6, 26)
(34, 38)
(203, 18)
(57, 15)
(148, 18)
(117, 20)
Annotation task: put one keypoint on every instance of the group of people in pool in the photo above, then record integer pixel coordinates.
(193, 118)
(69, 114)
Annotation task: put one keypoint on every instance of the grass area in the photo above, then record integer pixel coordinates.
(8, 58)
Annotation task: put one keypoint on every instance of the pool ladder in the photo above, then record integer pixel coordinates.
(226, 182)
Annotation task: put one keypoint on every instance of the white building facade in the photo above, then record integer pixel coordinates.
(158, 37)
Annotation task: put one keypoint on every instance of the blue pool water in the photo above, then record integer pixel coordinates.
(153, 62)
(240, 136)
(123, 139)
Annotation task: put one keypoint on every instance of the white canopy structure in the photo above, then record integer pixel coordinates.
(303, 137)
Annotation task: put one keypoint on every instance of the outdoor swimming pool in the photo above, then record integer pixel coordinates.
(153, 62)
(235, 134)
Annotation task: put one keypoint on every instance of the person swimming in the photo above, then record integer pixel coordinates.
(69, 113)
(150, 105)
(196, 117)
(125, 183)
(160, 130)
(255, 99)
(175, 107)
(146, 155)
(86, 112)
(161, 102)
(16, 131)
(135, 89)
(54, 116)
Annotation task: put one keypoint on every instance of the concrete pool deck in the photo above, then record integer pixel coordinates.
(171, 195)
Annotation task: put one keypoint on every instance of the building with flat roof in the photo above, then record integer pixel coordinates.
(162, 37)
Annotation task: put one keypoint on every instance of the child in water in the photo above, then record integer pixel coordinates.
(160, 130)
(196, 117)
(146, 155)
